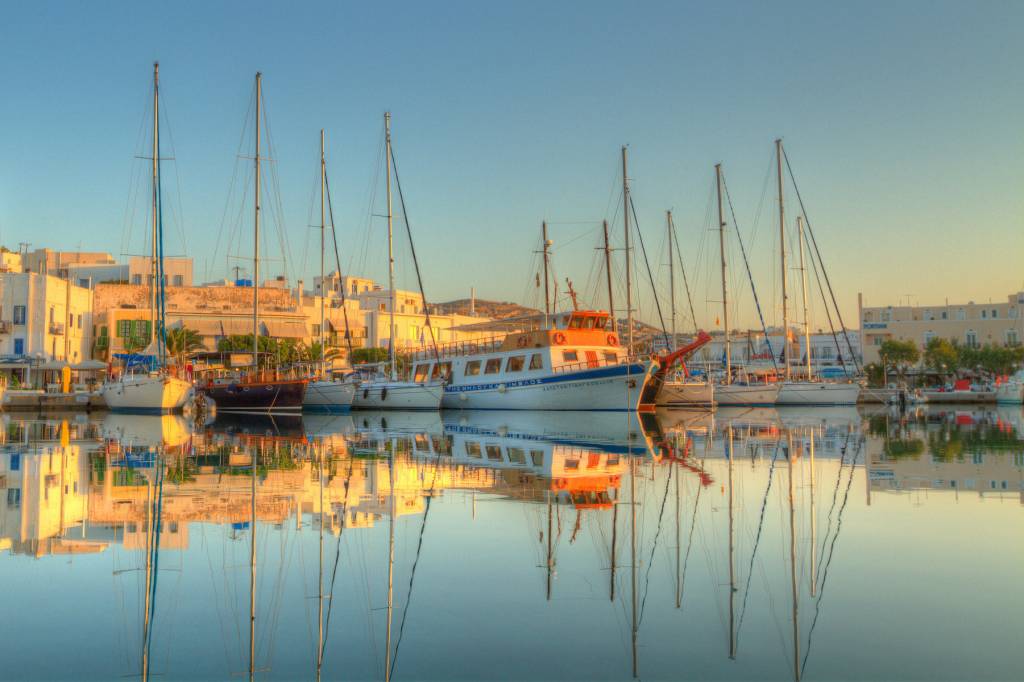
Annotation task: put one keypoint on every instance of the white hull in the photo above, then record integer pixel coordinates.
(397, 395)
(687, 393)
(1011, 393)
(146, 393)
(746, 394)
(615, 388)
(335, 396)
(817, 393)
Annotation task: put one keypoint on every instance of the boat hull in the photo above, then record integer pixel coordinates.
(817, 393)
(397, 395)
(1011, 393)
(758, 395)
(686, 393)
(616, 388)
(258, 397)
(329, 396)
(146, 394)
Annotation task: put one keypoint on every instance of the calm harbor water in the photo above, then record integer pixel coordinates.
(763, 544)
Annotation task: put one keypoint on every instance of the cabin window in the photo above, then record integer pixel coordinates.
(494, 452)
(442, 445)
(493, 366)
(421, 373)
(442, 370)
(588, 322)
(537, 457)
(610, 357)
(472, 368)
(517, 455)
(572, 464)
(515, 363)
(421, 443)
(600, 322)
(575, 322)
(473, 449)
(536, 361)
(570, 356)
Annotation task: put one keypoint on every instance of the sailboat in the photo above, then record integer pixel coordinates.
(256, 392)
(807, 391)
(389, 392)
(682, 389)
(324, 392)
(154, 389)
(732, 392)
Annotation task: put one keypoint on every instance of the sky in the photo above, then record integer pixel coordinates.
(901, 121)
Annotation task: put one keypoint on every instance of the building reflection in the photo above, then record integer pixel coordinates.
(76, 486)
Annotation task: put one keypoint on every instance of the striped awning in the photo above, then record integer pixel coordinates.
(285, 329)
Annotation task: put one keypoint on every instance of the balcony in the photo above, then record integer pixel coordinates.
(57, 328)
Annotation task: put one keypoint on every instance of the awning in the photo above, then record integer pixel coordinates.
(53, 365)
(285, 329)
(205, 327)
(89, 365)
(232, 327)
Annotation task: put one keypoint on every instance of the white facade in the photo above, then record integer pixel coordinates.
(44, 317)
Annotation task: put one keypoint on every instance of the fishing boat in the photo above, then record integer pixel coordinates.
(256, 391)
(146, 385)
(323, 391)
(389, 392)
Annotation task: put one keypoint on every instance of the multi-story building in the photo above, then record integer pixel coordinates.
(971, 324)
(42, 316)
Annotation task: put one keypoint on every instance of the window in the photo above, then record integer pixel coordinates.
(868, 317)
(945, 315)
(960, 314)
(79, 321)
(380, 307)
(420, 375)
(537, 457)
(137, 279)
(588, 323)
(316, 330)
(1012, 339)
(442, 370)
(493, 452)
(572, 464)
(515, 363)
(927, 314)
(15, 463)
(876, 341)
(14, 497)
(983, 313)
(517, 455)
(570, 356)
(971, 338)
(19, 314)
(978, 458)
(575, 322)
(536, 361)
(473, 449)
(600, 323)
(886, 316)
(179, 280)
(472, 368)
(995, 314)
(928, 336)
(493, 366)
(19, 346)
(610, 357)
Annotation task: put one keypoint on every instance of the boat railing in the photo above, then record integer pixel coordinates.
(456, 349)
(596, 363)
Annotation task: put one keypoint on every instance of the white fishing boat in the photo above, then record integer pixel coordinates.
(1011, 391)
(574, 362)
(154, 389)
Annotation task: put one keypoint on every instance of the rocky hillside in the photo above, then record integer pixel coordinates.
(493, 309)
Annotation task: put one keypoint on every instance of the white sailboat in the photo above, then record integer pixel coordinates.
(324, 392)
(1011, 391)
(808, 391)
(154, 390)
(390, 392)
(731, 392)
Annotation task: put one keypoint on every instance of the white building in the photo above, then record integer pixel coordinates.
(42, 316)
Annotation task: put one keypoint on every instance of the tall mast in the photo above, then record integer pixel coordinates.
(391, 250)
(725, 292)
(320, 585)
(252, 551)
(608, 273)
(544, 246)
(671, 276)
(803, 287)
(782, 254)
(391, 559)
(632, 538)
(732, 550)
(156, 189)
(792, 561)
(323, 230)
(625, 223)
(256, 236)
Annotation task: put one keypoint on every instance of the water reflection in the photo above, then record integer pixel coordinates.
(727, 545)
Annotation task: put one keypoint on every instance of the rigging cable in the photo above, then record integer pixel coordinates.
(654, 290)
(337, 262)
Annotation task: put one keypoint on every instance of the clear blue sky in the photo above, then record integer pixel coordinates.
(903, 121)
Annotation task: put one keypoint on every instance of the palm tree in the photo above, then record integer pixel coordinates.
(182, 341)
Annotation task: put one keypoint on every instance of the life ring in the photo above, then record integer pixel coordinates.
(559, 338)
(612, 340)
(522, 342)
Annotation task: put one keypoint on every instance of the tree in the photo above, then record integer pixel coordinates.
(941, 356)
(899, 355)
(182, 341)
